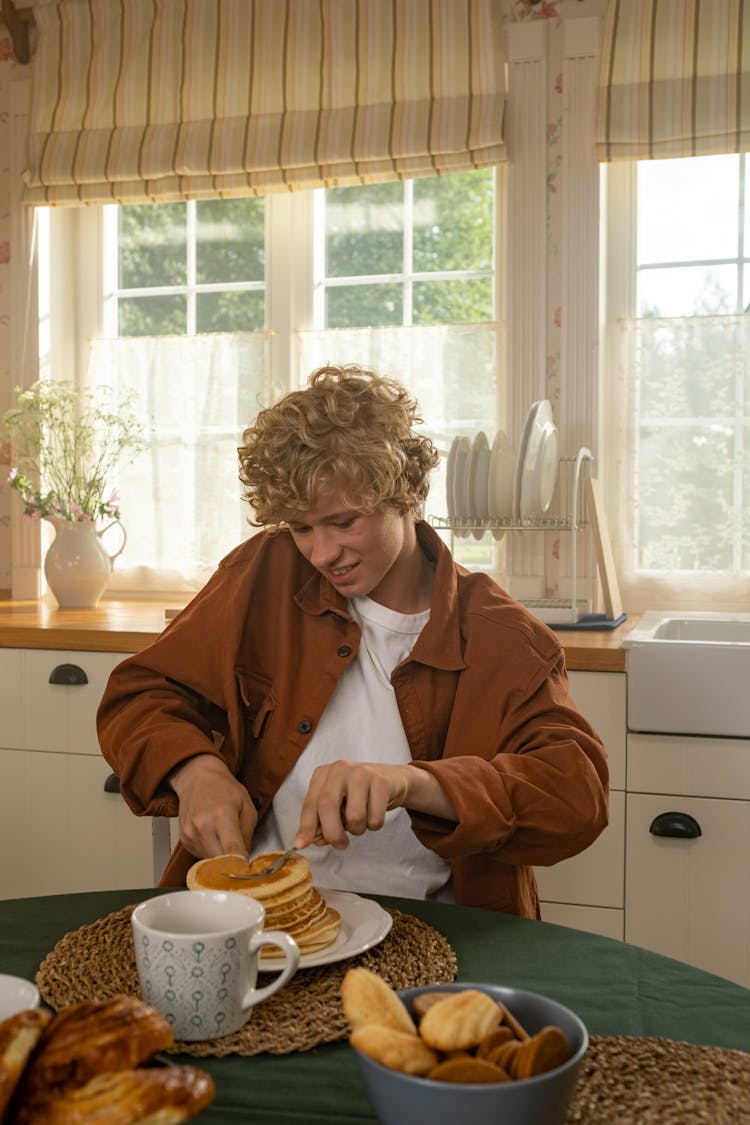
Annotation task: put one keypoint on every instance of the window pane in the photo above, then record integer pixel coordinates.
(686, 476)
(230, 240)
(364, 231)
(687, 291)
(687, 369)
(352, 306)
(453, 222)
(151, 316)
(687, 209)
(452, 302)
(230, 312)
(152, 245)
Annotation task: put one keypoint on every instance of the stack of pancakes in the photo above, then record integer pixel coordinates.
(290, 900)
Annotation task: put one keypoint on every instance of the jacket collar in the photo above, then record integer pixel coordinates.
(439, 644)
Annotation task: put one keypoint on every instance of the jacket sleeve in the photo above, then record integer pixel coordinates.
(536, 790)
(169, 703)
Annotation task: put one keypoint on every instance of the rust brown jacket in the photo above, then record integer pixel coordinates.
(247, 668)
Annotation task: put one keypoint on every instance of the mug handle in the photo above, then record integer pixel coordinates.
(291, 950)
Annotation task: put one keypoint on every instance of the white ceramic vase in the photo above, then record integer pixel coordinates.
(77, 566)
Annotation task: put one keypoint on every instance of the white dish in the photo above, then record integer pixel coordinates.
(16, 995)
(536, 465)
(364, 924)
(463, 453)
(501, 478)
(478, 482)
(450, 477)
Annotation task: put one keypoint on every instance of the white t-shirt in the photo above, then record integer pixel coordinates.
(362, 723)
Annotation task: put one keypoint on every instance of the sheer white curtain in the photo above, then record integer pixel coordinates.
(681, 534)
(180, 500)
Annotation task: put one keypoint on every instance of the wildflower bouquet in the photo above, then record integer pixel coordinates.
(65, 444)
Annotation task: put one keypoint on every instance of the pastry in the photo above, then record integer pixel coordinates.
(19, 1035)
(88, 1039)
(156, 1096)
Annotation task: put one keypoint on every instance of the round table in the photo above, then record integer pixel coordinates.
(616, 988)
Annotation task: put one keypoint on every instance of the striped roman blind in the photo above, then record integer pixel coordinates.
(675, 79)
(136, 100)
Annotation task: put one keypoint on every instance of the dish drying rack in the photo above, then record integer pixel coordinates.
(568, 512)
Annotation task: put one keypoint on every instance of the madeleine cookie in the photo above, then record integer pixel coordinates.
(468, 1068)
(399, 1050)
(542, 1052)
(367, 999)
(460, 1021)
(19, 1035)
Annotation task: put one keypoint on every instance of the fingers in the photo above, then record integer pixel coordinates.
(216, 814)
(349, 798)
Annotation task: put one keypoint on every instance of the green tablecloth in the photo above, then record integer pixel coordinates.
(617, 989)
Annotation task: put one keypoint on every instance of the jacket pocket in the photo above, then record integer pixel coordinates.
(258, 696)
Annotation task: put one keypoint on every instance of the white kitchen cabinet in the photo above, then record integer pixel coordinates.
(688, 897)
(59, 830)
(588, 891)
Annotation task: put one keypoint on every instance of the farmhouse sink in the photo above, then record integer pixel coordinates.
(689, 673)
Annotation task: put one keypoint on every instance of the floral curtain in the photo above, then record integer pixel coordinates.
(138, 100)
(674, 79)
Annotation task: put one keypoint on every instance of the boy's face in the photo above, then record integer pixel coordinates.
(361, 554)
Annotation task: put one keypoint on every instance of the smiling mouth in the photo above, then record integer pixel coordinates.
(342, 571)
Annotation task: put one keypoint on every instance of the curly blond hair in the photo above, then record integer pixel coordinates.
(349, 431)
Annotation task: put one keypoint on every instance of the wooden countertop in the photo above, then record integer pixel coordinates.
(125, 626)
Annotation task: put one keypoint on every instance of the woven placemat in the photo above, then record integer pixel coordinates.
(631, 1081)
(97, 962)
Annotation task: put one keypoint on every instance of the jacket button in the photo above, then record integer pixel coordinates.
(304, 727)
(343, 650)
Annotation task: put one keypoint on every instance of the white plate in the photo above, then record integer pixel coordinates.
(501, 478)
(364, 924)
(463, 452)
(479, 481)
(16, 995)
(536, 465)
(450, 477)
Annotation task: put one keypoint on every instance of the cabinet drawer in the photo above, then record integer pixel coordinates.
(78, 838)
(41, 714)
(592, 919)
(688, 764)
(690, 898)
(602, 698)
(596, 876)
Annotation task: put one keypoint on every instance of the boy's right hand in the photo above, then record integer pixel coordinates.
(216, 814)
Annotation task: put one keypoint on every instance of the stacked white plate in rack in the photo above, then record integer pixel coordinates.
(487, 484)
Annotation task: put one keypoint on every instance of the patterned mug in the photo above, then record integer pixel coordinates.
(197, 958)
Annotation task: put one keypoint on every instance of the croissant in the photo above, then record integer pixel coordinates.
(156, 1096)
(19, 1035)
(88, 1039)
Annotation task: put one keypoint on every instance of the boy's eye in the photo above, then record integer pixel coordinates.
(344, 523)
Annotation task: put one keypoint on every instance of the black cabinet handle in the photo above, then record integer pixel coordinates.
(112, 784)
(68, 674)
(680, 824)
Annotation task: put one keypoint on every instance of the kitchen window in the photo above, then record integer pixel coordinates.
(210, 309)
(677, 380)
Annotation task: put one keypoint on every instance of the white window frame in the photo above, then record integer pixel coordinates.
(641, 589)
(74, 311)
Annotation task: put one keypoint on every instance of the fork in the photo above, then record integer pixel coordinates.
(275, 864)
